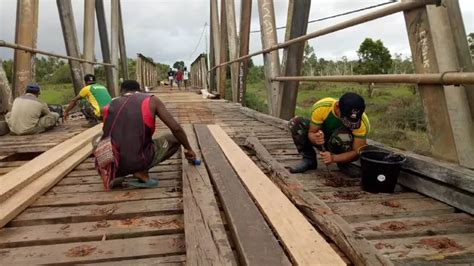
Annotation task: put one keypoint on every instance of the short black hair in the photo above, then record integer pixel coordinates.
(129, 85)
(89, 78)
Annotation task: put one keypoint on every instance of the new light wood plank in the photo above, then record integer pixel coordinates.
(20, 177)
(254, 240)
(205, 234)
(299, 237)
(19, 201)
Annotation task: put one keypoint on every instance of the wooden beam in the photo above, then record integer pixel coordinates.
(66, 16)
(206, 238)
(122, 45)
(89, 35)
(245, 21)
(114, 42)
(351, 242)
(6, 100)
(215, 44)
(25, 34)
(233, 44)
(20, 177)
(224, 52)
(19, 201)
(304, 244)
(296, 26)
(254, 240)
(104, 45)
(271, 60)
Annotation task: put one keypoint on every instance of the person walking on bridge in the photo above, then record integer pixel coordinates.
(29, 115)
(185, 77)
(129, 121)
(179, 78)
(171, 77)
(92, 98)
(338, 129)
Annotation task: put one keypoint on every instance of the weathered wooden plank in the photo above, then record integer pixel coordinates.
(302, 241)
(454, 223)
(156, 169)
(23, 197)
(90, 231)
(205, 236)
(254, 239)
(353, 244)
(99, 187)
(77, 180)
(20, 177)
(178, 260)
(72, 199)
(353, 196)
(95, 251)
(120, 210)
(445, 249)
(364, 211)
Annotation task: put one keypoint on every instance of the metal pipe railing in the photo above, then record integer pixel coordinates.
(36, 51)
(448, 78)
(395, 8)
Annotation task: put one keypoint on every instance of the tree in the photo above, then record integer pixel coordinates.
(374, 58)
(470, 41)
(178, 65)
(309, 60)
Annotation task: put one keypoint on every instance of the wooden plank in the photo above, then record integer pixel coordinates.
(19, 201)
(454, 223)
(299, 237)
(357, 196)
(178, 260)
(255, 242)
(90, 231)
(95, 251)
(76, 180)
(99, 187)
(364, 211)
(352, 243)
(71, 199)
(120, 210)
(205, 236)
(20, 177)
(156, 169)
(428, 250)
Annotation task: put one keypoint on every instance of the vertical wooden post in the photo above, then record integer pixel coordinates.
(104, 45)
(429, 34)
(66, 17)
(245, 18)
(25, 34)
(122, 46)
(205, 85)
(224, 52)
(89, 35)
(271, 60)
(297, 24)
(114, 40)
(215, 43)
(233, 50)
(6, 99)
(137, 71)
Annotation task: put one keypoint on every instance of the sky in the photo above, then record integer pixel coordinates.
(170, 30)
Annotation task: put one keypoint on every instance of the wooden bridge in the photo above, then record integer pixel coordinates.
(241, 206)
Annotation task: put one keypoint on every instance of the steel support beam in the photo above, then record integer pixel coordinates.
(68, 26)
(233, 44)
(245, 19)
(296, 26)
(89, 35)
(224, 52)
(104, 45)
(114, 41)
(271, 60)
(25, 34)
(122, 46)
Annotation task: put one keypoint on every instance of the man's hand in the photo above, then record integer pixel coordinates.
(327, 157)
(190, 155)
(319, 137)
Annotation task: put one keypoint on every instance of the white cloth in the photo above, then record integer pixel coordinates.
(185, 75)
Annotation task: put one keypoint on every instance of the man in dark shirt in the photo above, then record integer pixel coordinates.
(171, 77)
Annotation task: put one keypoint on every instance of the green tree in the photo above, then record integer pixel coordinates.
(470, 41)
(8, 67)
(310, 61)
(162, 70)
(178, 65)
(374, 58)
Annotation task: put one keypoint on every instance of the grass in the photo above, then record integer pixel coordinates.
(395, 113)
(57, 93)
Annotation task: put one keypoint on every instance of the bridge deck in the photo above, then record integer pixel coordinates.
(76, 222)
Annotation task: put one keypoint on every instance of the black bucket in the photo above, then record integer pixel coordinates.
(380, 170)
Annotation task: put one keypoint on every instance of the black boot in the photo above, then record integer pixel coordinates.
(304, 165)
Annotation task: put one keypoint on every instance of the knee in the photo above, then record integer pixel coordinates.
(295, 124)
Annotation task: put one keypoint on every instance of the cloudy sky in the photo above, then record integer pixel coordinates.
(169, 30)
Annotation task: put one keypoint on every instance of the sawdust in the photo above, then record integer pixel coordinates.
(337, 181)
(174, 223)
(80, 251)
(128, 223)
(383, 245)
(347, 195)
(391, 203)
(105, 211)
(393, 226)
(443, 244)
(126, 195)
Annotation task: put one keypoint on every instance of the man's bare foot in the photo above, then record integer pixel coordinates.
(143, 176)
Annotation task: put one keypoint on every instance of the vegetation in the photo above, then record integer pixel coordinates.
(374, 58)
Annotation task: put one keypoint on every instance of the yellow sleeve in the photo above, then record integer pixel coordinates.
(318, 116)
(364, 128)
(85, 91)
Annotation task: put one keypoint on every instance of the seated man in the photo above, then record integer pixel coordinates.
(129, 120)
(338, 129)
(29, 115)
(96, 97)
